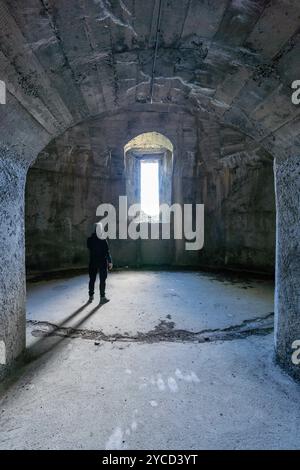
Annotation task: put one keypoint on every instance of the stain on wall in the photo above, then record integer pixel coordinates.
(213, 164)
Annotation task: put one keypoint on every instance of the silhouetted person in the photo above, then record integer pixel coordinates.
(100, 261)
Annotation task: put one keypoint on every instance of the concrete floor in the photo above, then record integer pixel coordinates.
(144, 300)
(176, 360)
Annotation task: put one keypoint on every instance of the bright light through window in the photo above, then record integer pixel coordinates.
(149, 188)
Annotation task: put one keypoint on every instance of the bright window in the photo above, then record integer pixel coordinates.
(149, 188)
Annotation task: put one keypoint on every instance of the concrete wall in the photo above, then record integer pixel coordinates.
(240, 218)
(85, 167)
(235, 68)
(287, 297)
(18, 145)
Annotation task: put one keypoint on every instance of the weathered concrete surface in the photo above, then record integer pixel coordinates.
(12, 273)
(124, 375)
(66, 62)
(143, 301)
(213, 164)
(288, 260)
(21, 139)
(221, 395)
(235, 60)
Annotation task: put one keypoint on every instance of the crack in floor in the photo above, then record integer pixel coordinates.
(164, 331)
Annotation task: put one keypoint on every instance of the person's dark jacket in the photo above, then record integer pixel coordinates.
(99, 250)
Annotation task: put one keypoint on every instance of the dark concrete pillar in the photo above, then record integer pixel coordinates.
(12, 272)
(287, 297)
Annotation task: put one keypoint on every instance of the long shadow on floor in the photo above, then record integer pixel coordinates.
(42, 346)
(48, 344)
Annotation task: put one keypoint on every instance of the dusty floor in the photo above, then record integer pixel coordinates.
(175, 360)
(145, 301)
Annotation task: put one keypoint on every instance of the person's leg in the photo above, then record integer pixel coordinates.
(103, 276)
(93, 274)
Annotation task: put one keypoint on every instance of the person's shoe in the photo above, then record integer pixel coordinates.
(103, 299)
(91, 298)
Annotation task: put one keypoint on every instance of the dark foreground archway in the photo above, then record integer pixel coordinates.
(52, 85)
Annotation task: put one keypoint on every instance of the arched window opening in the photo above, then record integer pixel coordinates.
(149, 169)
(150, 188)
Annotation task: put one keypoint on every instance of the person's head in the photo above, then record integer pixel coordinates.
(99, 229)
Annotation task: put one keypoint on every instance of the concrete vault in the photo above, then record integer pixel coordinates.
(83, 78)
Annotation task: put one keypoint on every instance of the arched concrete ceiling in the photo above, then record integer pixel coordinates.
(65, 61)
(152, 141)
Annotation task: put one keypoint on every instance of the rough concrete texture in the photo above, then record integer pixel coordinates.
(86, 167)
(288, 260)
(224, 395)
(64, 62)
(171, 303)
(152, 390)
(12, 273)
